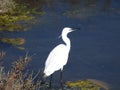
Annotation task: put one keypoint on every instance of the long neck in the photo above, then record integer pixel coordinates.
(67, 41)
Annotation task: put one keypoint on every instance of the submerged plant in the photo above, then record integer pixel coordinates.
(13, 41)
(16, 16)
(90, 84)
(11, 23)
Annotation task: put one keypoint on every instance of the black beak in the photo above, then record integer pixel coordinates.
(76, 28)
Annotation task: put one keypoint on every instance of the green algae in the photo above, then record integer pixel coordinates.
(20, 16)
(85, 85)
(13, 41)
(17, 18)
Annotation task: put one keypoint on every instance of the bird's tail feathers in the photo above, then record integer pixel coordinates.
(44, 76)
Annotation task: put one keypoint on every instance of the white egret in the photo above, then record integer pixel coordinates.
(58, 57)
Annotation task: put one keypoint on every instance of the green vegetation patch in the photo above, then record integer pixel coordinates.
(90, 84)
(10, 23)
(17, 16)
(13, 41)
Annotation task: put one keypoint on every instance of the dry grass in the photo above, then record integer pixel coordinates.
(6, 5)
(15, 79)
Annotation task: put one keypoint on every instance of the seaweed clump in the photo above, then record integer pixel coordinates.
(13, 41)
(17, 16)
(90, 84)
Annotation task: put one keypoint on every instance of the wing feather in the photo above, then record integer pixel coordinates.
(56, 59)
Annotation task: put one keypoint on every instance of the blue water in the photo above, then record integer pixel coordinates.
(95, 49)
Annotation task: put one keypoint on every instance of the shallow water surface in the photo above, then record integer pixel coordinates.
(95, 48)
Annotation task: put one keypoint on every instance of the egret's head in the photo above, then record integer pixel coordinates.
(67, 30)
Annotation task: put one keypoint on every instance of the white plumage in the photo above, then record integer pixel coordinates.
(59, 55)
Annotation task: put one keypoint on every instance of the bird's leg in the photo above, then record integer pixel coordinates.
(61, 81)
(43, 81)
(50, 83)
